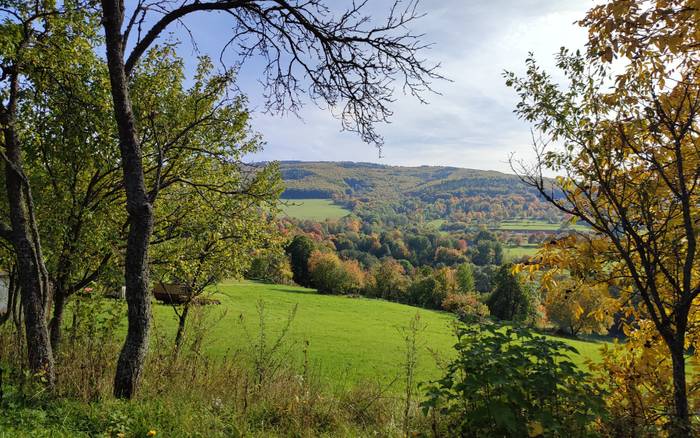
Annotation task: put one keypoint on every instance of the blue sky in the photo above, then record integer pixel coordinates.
(470, 124)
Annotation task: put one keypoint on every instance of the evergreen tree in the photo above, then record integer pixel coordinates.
(299, 251)
(508, 301)
(465, 278)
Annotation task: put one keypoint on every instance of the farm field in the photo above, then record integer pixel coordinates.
(515, 252)
(350, 340)
(535, 225)
(313, 209)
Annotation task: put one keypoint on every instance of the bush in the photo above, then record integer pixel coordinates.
(509, 382)
(468, 307)
(270, 267)
(329, 274)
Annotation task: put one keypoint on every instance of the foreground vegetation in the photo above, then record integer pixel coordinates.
(348, 339)
(345, 358)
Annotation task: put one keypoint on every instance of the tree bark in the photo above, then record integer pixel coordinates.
(33, 281)
(180, 336)
(140, 211)
(681, 426)
(56, 324)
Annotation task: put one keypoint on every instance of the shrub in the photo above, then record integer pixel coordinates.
(468, 307)
(270, 267)
(329, 274)
(509, 382)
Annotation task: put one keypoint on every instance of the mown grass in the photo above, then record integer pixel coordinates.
(350, 340)
(313, 209)
(537, 225)
(516, 252)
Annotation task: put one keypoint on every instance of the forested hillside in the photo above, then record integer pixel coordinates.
(431, 192)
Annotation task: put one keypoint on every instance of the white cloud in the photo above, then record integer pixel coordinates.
(471, 123)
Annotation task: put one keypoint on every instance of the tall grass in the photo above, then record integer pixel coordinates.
(252, 391)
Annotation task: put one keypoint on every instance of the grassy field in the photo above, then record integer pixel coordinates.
(350, 340)
(516, 252)
(313, 209)
(535, 225)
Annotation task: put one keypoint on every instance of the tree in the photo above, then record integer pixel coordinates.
(31, 30)
(299, 250)
(390, 280)
(628, 164)
(270, 265)
(70, 161)
(346, 62)
(465, 278)
(329, 274)
(580, 308)
(215, 241)
(215, 210)
(508, 301)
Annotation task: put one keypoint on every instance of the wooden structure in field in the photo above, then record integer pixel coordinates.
(171, 293)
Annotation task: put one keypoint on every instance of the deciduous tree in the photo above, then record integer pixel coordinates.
(347, 64)
(625, 144)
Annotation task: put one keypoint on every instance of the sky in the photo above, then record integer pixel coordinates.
(470, 123)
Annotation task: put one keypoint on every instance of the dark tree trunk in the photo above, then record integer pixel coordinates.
(32, 277)
(140, 212)
(180, 336)
(681, 428)
(56, 324)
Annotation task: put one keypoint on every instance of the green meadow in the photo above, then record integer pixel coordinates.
(313, 209)
(516, 252)
(536, 225)
(350, 340)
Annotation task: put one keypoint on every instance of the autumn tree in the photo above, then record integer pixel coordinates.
(575, 307)
(390, 281)
(329, 274)
(624, 143)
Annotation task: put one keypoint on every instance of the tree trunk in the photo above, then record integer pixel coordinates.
(180, 336)
(56, 324)
(140, 212)
(681, 426)
(33, 281)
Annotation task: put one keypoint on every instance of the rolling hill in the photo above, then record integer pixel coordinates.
(338, 179)
(433, 192)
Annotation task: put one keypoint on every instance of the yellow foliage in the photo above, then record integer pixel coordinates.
(638, 375)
